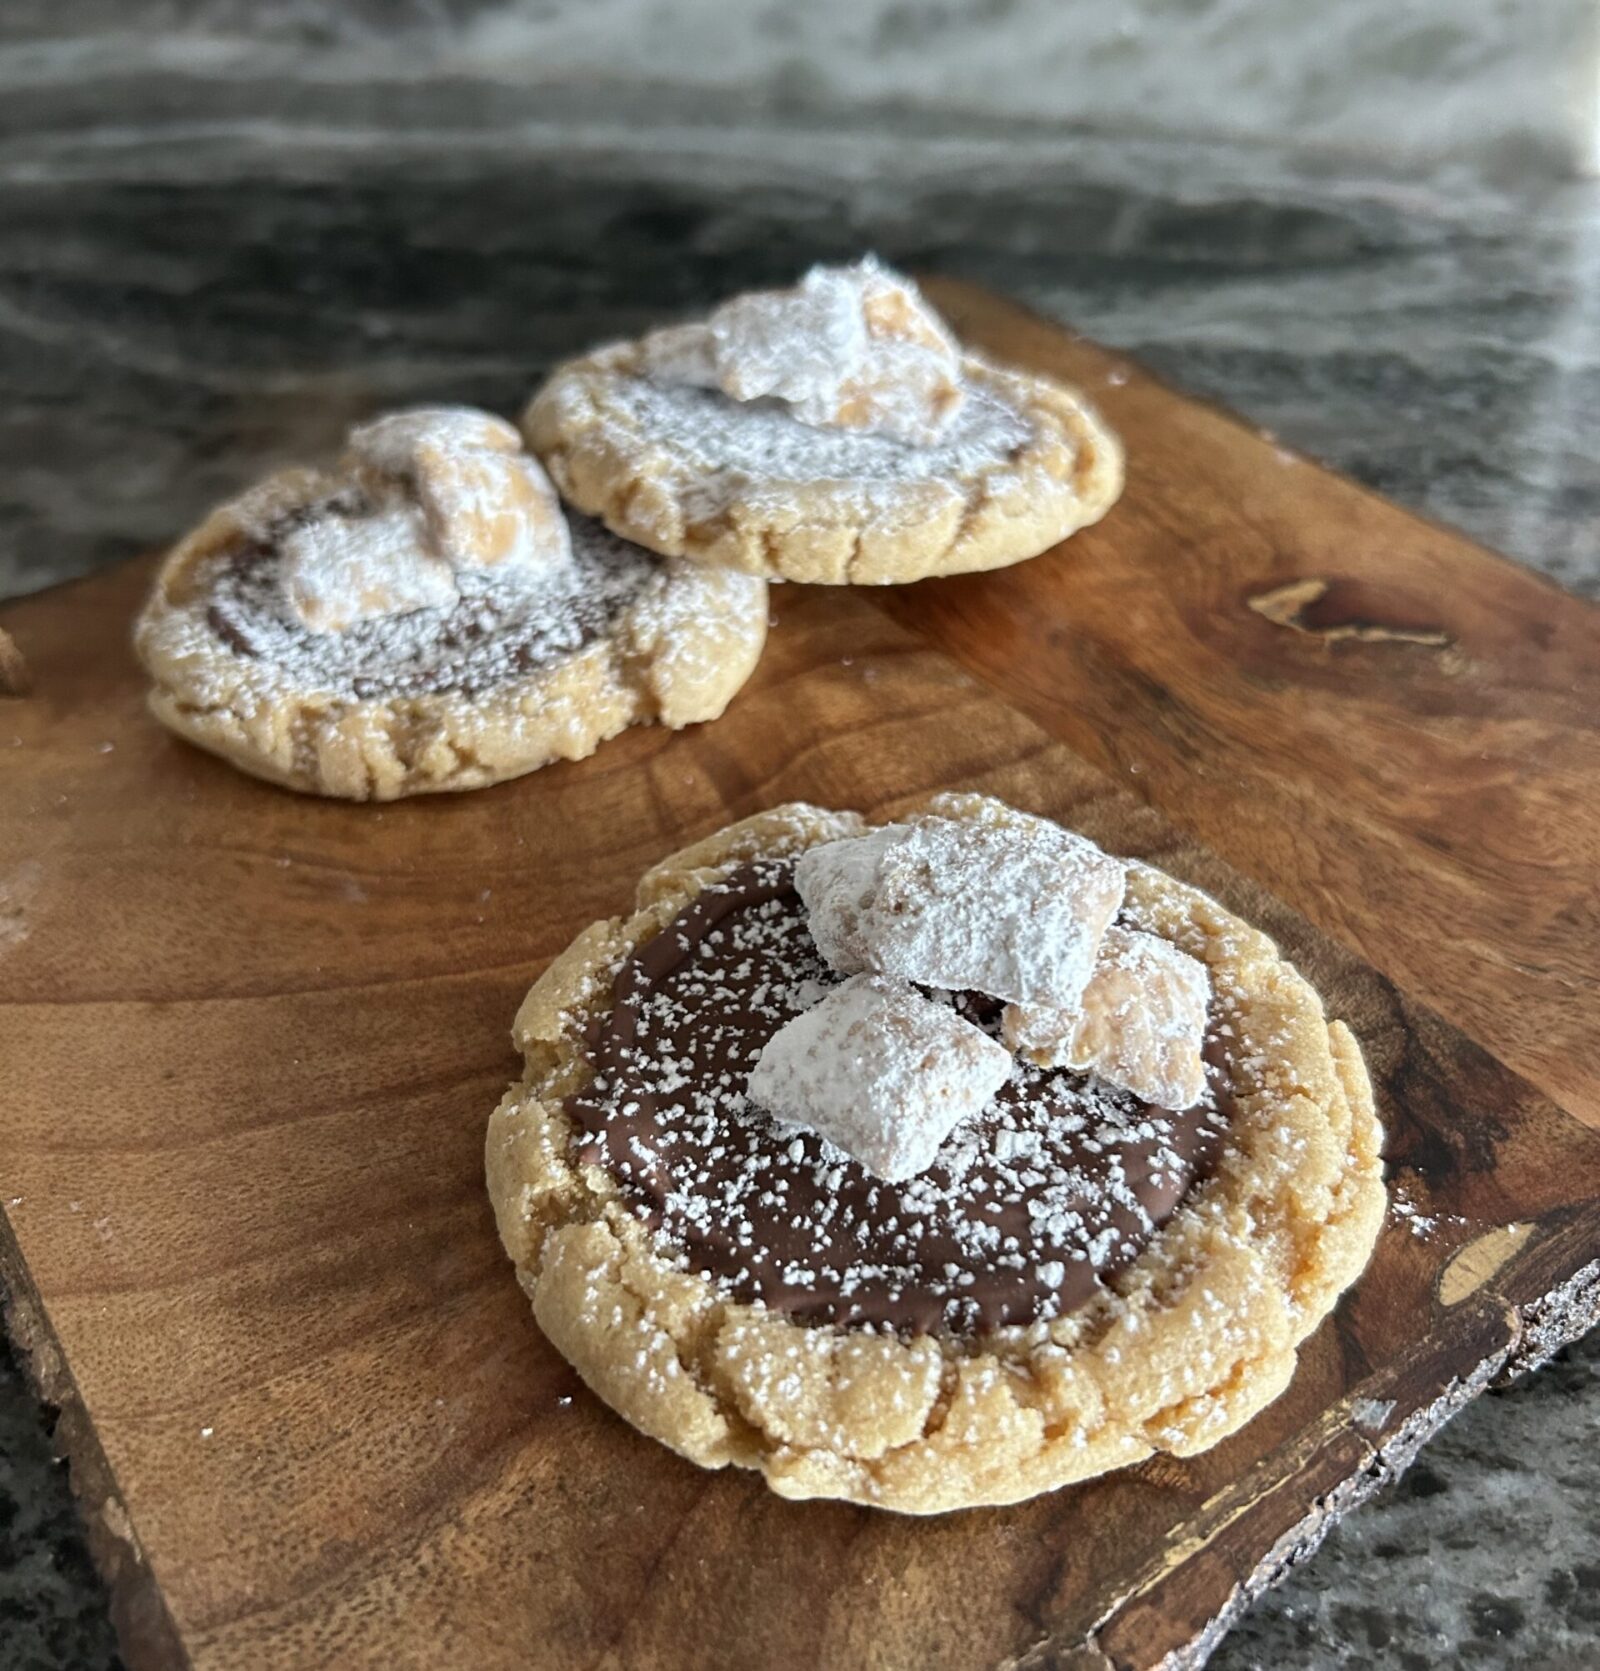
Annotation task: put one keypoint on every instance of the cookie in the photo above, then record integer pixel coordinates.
(833, 433)
(1080, 1279)
(425, 617)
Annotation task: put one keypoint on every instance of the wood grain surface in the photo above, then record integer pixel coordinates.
(249, 1042)
(1395, 730)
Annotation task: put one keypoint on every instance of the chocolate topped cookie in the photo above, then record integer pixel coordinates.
(425, 617)
(835, 432)
(788, 1201)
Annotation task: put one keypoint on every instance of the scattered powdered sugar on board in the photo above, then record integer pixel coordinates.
(1421, 1224)
(506, 622)
(1059, 1181)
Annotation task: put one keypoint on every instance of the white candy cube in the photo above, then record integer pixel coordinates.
(848, 347)
(1140, 1024)
(429, 492)
(1016, 909)
(880, 1071)
(484, 501)
(340, 570)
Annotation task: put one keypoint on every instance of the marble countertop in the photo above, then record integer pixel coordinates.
(216, 279)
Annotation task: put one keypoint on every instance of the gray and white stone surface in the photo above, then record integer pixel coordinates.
(190, 292)
(1497, 81)
(200, 279)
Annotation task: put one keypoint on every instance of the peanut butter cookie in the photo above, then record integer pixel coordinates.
(1079, 1279)
(424, 617)
(833, 433)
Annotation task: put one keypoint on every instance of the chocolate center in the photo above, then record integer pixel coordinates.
(504, 624)
(1059, 1182)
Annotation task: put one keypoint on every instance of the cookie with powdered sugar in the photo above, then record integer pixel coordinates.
(424, 616)
(835, 432)
(833, 1227)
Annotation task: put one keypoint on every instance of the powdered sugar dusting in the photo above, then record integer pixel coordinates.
(338, 570)
(729, 445)
(389, 444)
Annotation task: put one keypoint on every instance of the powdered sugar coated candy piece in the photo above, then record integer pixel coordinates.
(880, 1071)
(420, 496)
(1015, 909)
(338, 570)
(794, 345)
(848, 347)
(683, 354)
(1140, 1024)
(484, 500)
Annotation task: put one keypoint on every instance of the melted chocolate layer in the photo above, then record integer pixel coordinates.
(504, 625)
(1061, 1181)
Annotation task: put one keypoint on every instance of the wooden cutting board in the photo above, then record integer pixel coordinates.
(249, 1041)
